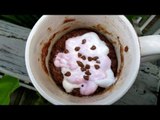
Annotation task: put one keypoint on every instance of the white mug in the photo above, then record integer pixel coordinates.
(128, 46)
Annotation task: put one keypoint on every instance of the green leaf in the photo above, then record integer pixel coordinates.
(8, 85)
(40, 100)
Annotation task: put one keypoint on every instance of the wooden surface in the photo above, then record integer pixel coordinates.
(12, 50)
(146, 87)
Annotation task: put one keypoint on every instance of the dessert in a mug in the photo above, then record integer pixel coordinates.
(83, 62)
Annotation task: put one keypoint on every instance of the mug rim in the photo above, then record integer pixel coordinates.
(44, 93)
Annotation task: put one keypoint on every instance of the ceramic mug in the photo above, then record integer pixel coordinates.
(128, 46)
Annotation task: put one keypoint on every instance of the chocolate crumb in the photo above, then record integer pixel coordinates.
(83, 41)
(77, 48)
(98, 61)
(87, 72)
(86, 77)
(80, 64)
(87, 66)
(67, 74)
(95, 58)
(66, 51)
(83, 57)
(96, 66)
(93, 47)
(126, 49)
(89, 58)
(79, 54)
(83, 69)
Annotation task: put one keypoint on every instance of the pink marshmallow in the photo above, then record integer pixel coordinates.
(88, 88)
(69, 62)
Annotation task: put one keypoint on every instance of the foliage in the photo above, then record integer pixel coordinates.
(22, 20)
(8, 85)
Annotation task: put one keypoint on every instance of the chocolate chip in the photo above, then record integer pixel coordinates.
(86, 77)
(80, 64)
(95, 58)
(66, 51)
(83, 41)
(79, 54)
(83, 69)
(82, 85)
(87, 72)
(83, 57)
(97, 61)
(93, 47)
(89, 58)
(96, 66)
(67, 74)
(87, 66)
(77, 48)
(126, 49)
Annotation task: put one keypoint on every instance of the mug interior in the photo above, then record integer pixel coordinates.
(116, 28)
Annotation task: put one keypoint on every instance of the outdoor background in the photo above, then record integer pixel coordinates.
(16, 95)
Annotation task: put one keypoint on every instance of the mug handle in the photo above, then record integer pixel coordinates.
(150, 47)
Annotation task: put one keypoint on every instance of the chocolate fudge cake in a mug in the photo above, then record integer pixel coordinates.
(85, 59)
(81, 62)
